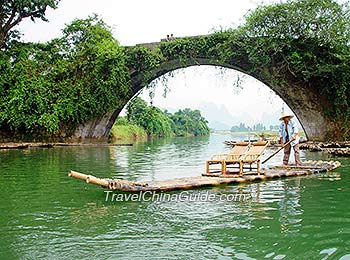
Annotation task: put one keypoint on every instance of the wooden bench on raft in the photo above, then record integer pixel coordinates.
(241, 154)
(236, 152)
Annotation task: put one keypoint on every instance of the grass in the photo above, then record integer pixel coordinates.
(128, 133)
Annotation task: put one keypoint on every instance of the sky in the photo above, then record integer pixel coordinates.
(137, 21)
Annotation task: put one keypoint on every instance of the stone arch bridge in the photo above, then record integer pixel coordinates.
(303, 101)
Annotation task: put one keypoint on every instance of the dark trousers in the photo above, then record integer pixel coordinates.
(287, 154)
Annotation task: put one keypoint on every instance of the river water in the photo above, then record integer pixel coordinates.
(46, 215)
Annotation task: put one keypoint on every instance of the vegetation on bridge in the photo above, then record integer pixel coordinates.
(49, 89)
(304, 42)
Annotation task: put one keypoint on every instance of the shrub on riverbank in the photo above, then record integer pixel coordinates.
(122, 130)
(143, 119)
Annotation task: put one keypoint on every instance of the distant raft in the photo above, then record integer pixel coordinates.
(207, 180)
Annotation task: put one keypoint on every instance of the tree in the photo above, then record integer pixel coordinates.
(259, 127)
(161, 124)
(49, 88)
(324, 21)
(152, 119)
(158, 124)
(240, 128)
(12, 12)
(301, 42)
(189, 121)
(136, 111)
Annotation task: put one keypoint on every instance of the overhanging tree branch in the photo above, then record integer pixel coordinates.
(12, 12)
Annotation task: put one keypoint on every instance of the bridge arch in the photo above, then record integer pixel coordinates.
(301, 102)
(304, 102)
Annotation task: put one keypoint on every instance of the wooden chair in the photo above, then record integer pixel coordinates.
(236, 152)
(252, 156)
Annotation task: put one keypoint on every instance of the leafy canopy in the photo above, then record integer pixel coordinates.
(305, 42)
(86, 74)
(324, 21)
(50, 88)
(160, 124)
(12, 12)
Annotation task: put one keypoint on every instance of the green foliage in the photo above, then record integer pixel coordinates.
(136, 110)
(123, 131)
(185, 48)
(189, 121)
(85, 74)
(304, 42)
(143, 60)
(50, 88)
(12, 12)
(324, 21)
(121, 121)
(150, 118)
(161, 124)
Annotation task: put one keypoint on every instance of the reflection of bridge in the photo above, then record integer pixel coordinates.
(304, 100)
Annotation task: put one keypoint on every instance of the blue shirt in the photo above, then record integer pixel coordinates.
(292, 129)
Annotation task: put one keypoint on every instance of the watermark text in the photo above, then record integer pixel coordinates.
(184, 196)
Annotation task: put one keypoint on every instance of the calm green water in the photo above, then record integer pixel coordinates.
(46, 215)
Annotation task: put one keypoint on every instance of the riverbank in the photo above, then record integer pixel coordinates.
(25, 145)
(127, 133)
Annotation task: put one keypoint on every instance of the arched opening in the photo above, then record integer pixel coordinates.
(303, 100)
(214, 92)
(226, 97)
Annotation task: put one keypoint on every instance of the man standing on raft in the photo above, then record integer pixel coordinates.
(288, 131)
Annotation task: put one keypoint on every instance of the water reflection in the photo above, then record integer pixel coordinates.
(46, 215)
(160, 159)
(164, 159)
(178, 157)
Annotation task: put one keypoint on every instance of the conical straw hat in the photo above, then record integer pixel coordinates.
(285, 114)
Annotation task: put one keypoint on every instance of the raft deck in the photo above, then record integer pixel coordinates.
(206, 180)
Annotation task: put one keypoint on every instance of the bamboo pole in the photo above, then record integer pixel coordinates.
(272, 155)
(88, 178)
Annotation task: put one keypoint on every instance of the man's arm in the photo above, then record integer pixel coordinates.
(280, 130)
(295, 131)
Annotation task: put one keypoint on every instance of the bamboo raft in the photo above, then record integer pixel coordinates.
(206, 180)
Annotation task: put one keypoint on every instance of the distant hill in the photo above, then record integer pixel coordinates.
(218, 125)
(220, 118)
